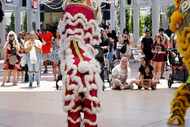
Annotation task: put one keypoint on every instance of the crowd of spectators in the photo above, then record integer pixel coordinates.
(116, 52)
(25, 53)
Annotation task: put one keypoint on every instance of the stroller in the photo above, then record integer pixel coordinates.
(179, 71)
(105, 65)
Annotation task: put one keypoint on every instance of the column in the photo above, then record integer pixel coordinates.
(18, 17)
(29, 15)
(122, 15)
(136, 20)
(164, 21)
(165, 18)
(38, 16)
(113, 15)
(155, 17)
(2, 31)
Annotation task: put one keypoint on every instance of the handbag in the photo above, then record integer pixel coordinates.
(123, 48)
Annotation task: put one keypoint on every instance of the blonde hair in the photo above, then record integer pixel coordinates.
(33, 36)
(15, 42)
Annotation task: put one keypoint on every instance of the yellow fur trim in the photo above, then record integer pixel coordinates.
(176, 120)
(176, 20)
(179, 105)
(178, 111)
(181, 102)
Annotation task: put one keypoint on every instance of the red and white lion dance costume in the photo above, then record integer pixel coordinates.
(79, 29)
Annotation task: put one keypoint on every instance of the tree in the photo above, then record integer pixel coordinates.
(141, 24)
(127, 15)
(170, 10)
(131, 24)
(148, 22)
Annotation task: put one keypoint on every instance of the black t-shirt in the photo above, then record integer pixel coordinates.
(147, 44)
(146, 71)
(147, 47)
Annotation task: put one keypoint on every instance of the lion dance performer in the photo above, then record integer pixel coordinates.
(80, 70)
(180, 23)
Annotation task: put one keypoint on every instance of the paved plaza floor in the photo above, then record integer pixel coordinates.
(119, 109)
(21, 106)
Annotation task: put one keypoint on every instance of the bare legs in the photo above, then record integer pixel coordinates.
(157, 70)
(117, 84)
(145, 83)
(6, 76)
(55, 70)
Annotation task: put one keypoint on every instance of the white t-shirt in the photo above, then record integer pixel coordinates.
(120, 73)
(33, 55)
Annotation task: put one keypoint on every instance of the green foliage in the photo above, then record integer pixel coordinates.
(25, 23)
(170, 9)
(141, 24)
(129, 22)
(11, 26)
(145, 23)
(161, 20)
(127, 15)
(148, 22)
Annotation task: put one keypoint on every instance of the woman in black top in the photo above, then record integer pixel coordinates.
(145, 76)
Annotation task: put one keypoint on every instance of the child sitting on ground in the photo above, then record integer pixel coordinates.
(145, 76)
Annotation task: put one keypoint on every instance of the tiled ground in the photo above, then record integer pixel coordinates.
(119, 109)
(42, 107)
